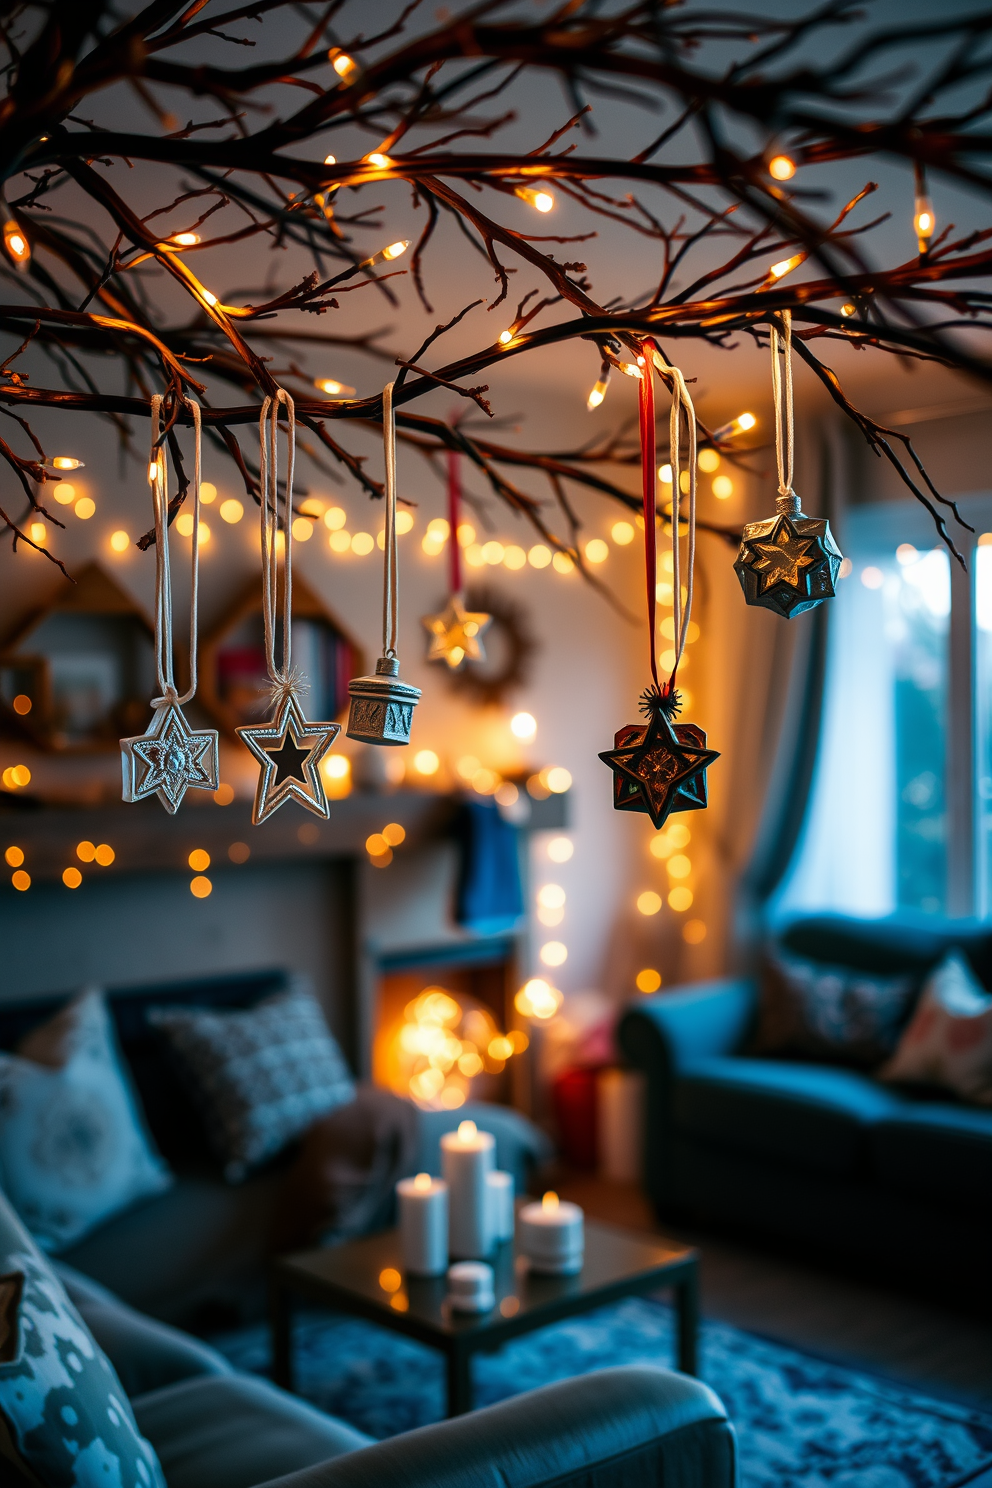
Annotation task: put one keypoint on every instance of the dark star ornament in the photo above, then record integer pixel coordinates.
(659, 767)
(169, 758)
(289, 750)
(788, 563)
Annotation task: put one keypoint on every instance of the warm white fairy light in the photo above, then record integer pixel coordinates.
(386, 255)
(333, 388)
(781, 167)
(541, 201)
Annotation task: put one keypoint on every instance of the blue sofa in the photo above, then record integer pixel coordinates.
(824, 1158)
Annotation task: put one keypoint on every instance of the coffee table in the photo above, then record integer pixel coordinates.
(364, 1278)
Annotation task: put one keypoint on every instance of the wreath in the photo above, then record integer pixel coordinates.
(509, 645)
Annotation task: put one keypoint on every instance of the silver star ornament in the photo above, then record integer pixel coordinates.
(169, 758)
(289, 750)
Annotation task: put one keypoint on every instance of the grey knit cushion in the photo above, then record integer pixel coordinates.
(259, 1076)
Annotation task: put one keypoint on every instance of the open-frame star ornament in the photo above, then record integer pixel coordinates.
(169, 759)
(659, 767)
(788, 563)
(289, 750)
(456, 634)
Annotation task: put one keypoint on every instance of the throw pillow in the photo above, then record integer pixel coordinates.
(73, 1147)
(949, 1039)
(819, 1011)
(260, 1075)
(65, 1420)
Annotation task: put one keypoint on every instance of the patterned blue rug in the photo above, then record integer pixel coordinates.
(801, 1423)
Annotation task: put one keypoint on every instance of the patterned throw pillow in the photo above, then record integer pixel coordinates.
(949, 1040)
(260, 1076)
(73, 1148)
(65, 1420)
(830, 1012)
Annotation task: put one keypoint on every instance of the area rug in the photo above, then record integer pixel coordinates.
(801, 1423)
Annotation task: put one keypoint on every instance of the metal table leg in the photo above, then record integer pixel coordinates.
(687, 1303)
(459, 1380)
(281, 1321)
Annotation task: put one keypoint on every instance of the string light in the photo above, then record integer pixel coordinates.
(786, 266)
(742, 424)
(538, 999)
(598, 393)
(66, 462)
(330, 160)
(346, 67)
(924, 218)
(848, 309)
(386, 255)
(186, 239)
(333, 388)
(542, 201)
(16, 244)
(381, 162)
(782, 167)
(505, 337)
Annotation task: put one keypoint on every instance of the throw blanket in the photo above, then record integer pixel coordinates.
(342, 1180)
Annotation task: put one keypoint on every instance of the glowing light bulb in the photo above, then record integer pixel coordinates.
(505, 337)
(333, 388)
(16, 244)
(740, 425)
(330, 160)
(211, 299)
(924, 222)
(186, 239)
(386, 255)
(381, 162)
(523, 726)
(346, 67)
(781, 167)
(786, 266)
(66, 462)
(119, 541)
(598, 393)
(541, 201)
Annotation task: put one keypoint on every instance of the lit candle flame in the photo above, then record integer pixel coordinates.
(422, 1182)
(550, 1200)
(467, 1131)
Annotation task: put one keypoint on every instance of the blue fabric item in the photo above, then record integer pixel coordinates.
(811, 1116)
(941, 1153)
(66, 1413)
(489, 899)
(73, 1147)
(799, 1422)
(625, 1428)
(232, 1431)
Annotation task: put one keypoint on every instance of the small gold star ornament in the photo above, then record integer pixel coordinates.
(456, 634)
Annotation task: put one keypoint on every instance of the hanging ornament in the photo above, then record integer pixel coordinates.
(787, 563)
(382, 706)
(171, 757)
(455, 633)
(660, 767)
(288, 747)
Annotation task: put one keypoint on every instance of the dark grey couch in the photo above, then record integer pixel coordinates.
(823, 1157)
(196, 1255)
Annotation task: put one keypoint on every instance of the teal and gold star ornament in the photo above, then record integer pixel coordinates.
(659, 767)
(169, 759)
(456, 634)
(788, 563)
(289, 750)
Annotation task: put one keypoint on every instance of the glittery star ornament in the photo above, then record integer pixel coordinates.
(788, 563)
(456, 634)
(289, 750)
(169, 759)
(659, 767)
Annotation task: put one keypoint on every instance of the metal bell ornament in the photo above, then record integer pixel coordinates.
(660, 767)
(382, 705)
(789, 562)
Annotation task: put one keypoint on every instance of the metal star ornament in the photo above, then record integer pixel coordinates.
(169, 759)
(659, 767)
(455, 634)
(788, 563)
(289, 750)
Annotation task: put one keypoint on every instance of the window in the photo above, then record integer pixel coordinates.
(900, 815)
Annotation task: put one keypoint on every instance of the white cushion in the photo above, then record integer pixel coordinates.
(73, 1148)
(949, 1038)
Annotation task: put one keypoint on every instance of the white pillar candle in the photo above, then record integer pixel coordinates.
(500, 1205)
(423, 1205)
(470, 1287)
(552, 1236)
(467, 1155)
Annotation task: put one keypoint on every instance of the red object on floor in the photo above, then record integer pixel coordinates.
(574, 1096)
